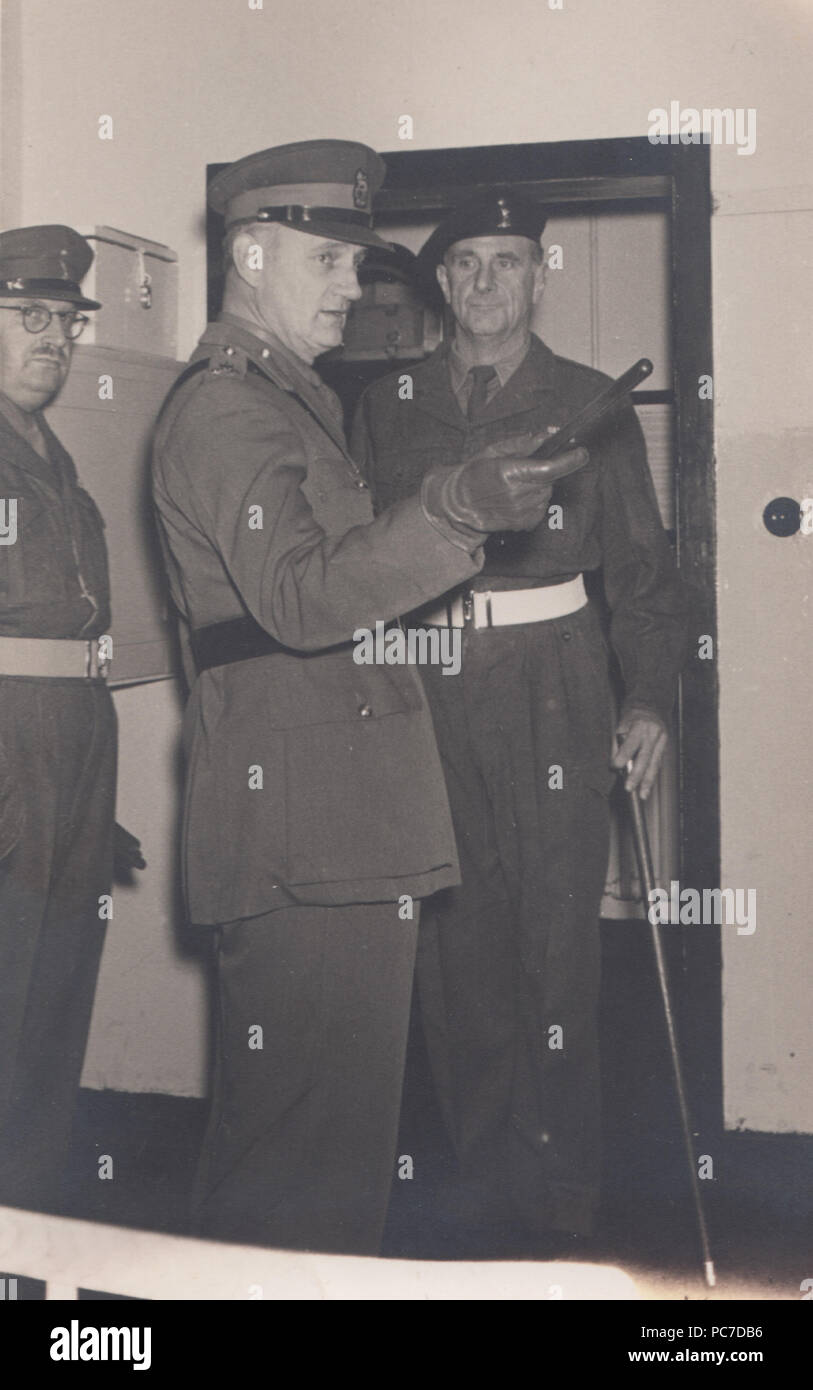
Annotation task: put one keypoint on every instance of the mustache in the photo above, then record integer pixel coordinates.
(49, 350)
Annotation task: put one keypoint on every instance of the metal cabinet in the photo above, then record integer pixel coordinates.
(105, 416)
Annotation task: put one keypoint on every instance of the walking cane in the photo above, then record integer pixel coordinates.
(647, 874)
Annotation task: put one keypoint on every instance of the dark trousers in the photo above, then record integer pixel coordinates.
(311, 1029)
(59, 738)
(508, 964)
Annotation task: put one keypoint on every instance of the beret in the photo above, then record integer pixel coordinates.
(500, 212)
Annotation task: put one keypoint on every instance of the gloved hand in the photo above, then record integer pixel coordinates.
(126, 854)
(502, 489)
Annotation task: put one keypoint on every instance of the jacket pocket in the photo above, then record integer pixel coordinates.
(366, 801)
(27, 563)
(295, 692)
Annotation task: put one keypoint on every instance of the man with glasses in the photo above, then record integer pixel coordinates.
(57, 723)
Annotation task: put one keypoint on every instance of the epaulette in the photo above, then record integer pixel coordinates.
(227, 360)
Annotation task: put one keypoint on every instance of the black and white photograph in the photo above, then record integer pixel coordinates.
(406, 530)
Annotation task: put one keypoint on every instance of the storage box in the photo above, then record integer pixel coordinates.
(136, 281)
(387, 322)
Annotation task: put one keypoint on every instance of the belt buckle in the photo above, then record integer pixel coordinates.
(97, 667)
(470, 609)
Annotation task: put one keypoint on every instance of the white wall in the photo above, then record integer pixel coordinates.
(765, 450)
(202, 80)
(148, 1032)
(11, 113)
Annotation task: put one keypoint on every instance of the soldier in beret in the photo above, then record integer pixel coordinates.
(316, 817)
(57, 723)
(508, 963)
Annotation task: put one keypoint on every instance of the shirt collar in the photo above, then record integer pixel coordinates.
(504, 365)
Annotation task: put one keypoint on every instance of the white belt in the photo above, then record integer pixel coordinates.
(501, 607)
(52, 656)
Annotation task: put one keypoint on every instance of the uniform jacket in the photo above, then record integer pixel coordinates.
(610, 517)
(353, 806)
(53, 579)
(53, 583)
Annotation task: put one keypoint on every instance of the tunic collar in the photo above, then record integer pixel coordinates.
(282, 366)
(264, 338)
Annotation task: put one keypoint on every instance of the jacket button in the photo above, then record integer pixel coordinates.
(566, 635)
(360, 483)
(365, 711)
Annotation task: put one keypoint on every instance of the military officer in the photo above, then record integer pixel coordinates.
(57, 723)
(508, 962)
(316, 816)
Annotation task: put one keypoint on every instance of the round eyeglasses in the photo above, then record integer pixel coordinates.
(36, 319)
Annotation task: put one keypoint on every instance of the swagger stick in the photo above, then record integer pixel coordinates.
(578, 427)
(647, 874)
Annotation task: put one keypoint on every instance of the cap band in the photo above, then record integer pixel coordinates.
(43, 289)
(296, 215)
(332, 195)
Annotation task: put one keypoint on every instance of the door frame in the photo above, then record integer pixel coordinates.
(424, 185)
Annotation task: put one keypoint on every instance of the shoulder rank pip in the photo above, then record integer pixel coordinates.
(228, 360)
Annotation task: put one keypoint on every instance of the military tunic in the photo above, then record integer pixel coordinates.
(57, 792)
(508, 964)
(264, 514)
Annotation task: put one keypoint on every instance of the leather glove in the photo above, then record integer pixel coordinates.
(500, 490)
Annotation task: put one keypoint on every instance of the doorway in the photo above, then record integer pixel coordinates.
(590, 184)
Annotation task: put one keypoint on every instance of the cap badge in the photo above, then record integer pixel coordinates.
(505, 215)
(361, 190)
(63, 265)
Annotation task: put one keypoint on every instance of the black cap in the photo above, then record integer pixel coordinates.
(500, 212)
(395, 262)
(45, 262)
(323, 187)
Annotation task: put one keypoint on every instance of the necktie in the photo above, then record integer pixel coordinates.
(481, 378)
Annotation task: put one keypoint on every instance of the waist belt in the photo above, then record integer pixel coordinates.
(236, 639)
(502, 607)
(53, 656)
(242, 639)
